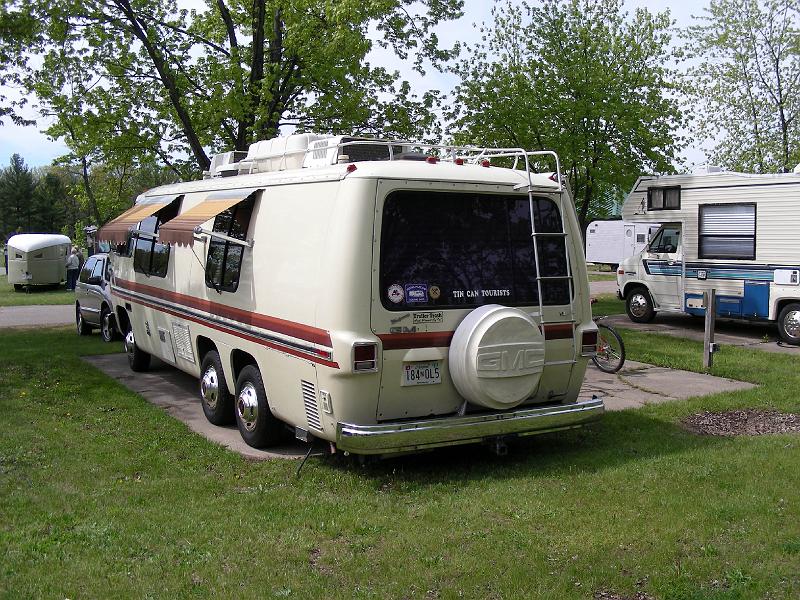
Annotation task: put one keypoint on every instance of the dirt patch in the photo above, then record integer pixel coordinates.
(605, 595)
(749, 421)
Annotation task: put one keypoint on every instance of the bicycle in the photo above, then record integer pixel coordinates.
(610, 354)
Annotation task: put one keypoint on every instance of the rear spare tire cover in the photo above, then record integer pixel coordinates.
(497, 356)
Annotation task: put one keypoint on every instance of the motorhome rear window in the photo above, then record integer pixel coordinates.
(149, 255)
(224, 261)
(456, 250)
(727, 231)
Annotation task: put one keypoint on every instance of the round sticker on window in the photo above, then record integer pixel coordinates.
(396, 293)
(434, 292)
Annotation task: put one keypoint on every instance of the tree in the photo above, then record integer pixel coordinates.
(748, 82)
(578, 77)
(16, 197)
(153, 80)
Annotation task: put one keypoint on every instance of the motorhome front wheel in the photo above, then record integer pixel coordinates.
(497, 357)
(257, 425)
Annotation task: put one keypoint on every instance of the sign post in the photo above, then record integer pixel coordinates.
(709, 347)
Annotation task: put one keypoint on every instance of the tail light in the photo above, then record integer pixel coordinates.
(365, 357)
(589, 343)
(620, 271)
(459, 161)
(486, 163)
(432, 160)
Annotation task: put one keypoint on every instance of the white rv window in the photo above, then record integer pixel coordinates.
(664, 198)
(224, 261)
(458, 250)
(728, 231)
(149, 255)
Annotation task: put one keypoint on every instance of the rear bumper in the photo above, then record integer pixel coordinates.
(407, 436)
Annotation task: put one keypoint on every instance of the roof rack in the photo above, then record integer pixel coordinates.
(311, 150)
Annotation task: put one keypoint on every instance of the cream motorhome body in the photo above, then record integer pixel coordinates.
(733, 232)
(37, 259)
(363, 293)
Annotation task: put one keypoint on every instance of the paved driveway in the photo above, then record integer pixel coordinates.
(637, 385)
(37, 316)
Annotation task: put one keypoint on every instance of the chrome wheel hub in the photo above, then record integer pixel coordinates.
(638, 305)
(791, 323)
(209, 387)
(247, 406)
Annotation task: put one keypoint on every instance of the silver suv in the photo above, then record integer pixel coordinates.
(93, 305)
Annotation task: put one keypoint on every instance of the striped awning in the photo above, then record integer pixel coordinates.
(180, 230)
(116, 230)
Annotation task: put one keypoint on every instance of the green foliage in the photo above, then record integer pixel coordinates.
(16, 197)
(581, 78)
(150, 79)
(747, 85)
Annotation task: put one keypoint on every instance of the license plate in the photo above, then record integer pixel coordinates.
(421, 373)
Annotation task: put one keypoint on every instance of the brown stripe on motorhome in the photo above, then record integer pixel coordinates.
(299, 353)
(303, 332)
(408, 341)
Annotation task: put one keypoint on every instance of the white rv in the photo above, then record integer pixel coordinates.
(732, 232)
(37, 259)
(611, 242)
(363, 292)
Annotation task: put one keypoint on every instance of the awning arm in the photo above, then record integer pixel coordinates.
(141, 233)
(200, 231)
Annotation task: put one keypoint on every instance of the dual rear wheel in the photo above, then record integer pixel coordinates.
(248, 405)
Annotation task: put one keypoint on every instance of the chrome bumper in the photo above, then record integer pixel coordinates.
(407, 436)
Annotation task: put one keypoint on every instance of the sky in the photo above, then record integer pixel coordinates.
(38, 150)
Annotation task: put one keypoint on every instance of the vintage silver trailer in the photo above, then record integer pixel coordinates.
(37, 259)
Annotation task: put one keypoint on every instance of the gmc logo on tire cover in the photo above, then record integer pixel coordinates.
(509, 360)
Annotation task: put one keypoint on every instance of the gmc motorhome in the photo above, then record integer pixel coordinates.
(384, 296)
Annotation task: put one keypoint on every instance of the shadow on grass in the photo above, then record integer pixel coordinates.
(618, 438)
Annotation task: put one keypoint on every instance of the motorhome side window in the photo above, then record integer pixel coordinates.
(456, 250)
(664, 198)
(224, 262)
(727, 231)
(149, 255)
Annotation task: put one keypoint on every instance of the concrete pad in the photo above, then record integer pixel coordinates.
(757, 336)
(37, 315)
(177, 393)
(639, 384)
(636, 385)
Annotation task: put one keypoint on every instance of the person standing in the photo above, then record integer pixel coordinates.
(73, 264)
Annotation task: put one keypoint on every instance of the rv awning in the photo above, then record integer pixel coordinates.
(117, 229)
(180, 230)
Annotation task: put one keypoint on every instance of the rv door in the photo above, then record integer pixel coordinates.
(663, 263)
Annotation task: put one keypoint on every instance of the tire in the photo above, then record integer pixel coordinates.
(80, 324)
(789, 324)
(138, 359)
(214, 394)
(639, 305)
(108, 328)
(610, 354)
(257, 425)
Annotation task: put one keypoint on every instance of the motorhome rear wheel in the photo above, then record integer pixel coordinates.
(789, 324)
(257, 425)
(215, 397)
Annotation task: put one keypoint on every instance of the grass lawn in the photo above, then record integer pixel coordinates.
(10, 297)
(104, 495)
(608, 304)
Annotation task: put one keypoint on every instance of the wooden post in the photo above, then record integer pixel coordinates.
(710, 302)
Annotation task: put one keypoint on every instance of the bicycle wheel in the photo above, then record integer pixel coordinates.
(610, 354)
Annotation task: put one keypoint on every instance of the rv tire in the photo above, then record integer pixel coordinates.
(639, 305)
(214, 395)
(80, 324)
(138, 359)
(257, 425)
(789, 324)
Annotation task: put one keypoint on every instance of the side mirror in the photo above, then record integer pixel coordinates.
(95, 280)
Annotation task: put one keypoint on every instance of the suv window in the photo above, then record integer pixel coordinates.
(456, 250)
(224, 262)
(86, 272)
(98, 269)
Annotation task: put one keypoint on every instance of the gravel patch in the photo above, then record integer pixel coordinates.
(749, 421)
